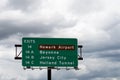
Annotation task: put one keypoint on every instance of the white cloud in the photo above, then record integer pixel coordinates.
(84, 7)
(11, 15)
(106, 79)
(3, 5)
(94, 23)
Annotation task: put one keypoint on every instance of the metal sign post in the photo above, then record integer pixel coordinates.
(49, 73)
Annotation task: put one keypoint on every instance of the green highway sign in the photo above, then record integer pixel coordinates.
(49, 52)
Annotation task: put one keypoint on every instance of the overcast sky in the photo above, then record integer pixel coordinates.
(95, 23)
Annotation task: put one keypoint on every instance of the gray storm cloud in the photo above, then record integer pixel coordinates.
(96, 25)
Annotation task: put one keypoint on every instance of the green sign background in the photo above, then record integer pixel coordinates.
(33, 56)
